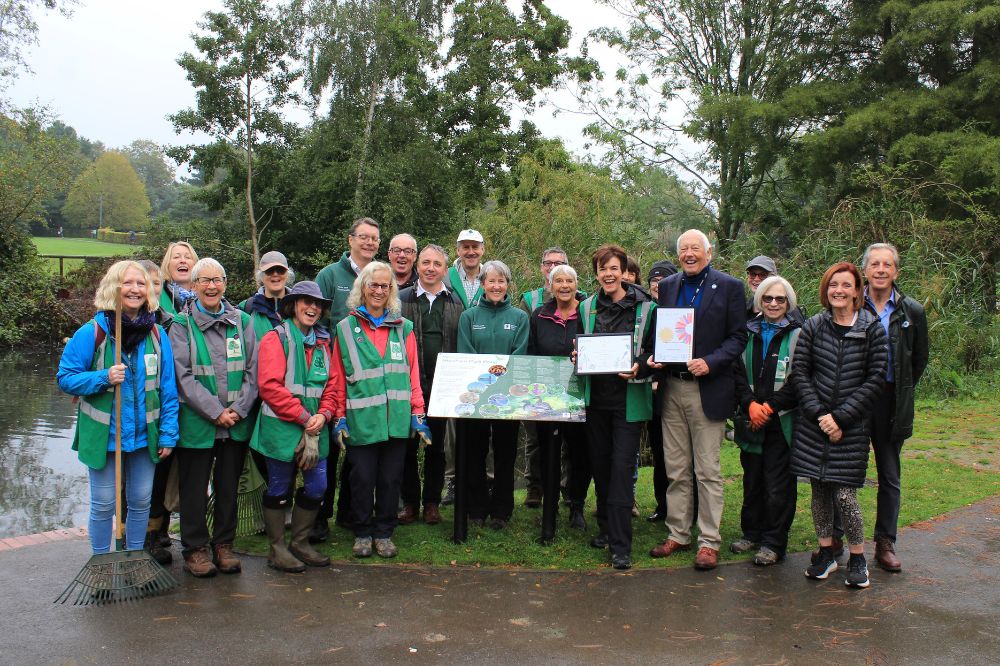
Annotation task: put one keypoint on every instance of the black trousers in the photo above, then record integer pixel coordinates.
(480, 434)
(769, 492)
(195, 468)
(376, 477)
(614, 445)
(553, 439)
(887, 463)
(433, 467)
(654, 430)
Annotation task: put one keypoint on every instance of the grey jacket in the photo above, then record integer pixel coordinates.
(189, 390)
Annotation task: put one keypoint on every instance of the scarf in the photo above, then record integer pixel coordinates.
(135, 330)
(180, 293)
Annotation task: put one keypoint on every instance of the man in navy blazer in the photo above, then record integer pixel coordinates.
(698, 397)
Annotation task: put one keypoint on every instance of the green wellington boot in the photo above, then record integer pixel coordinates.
(279, 557)
(303, 519)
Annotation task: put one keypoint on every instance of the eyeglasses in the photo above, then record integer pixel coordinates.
(408, 251)
(219, 281)
(365, 238)
(549, 264)
(379, 286)
(780, 300)
(276, 270)
(760, 275)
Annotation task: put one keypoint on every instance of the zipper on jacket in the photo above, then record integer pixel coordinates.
(836, 399)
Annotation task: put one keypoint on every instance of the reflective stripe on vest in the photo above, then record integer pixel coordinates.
(534, 298)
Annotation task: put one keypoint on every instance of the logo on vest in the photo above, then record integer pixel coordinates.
(510, 327)
(781, 369)
(150, 360)
(479, 327)
(234, 348)
(395, 350)
(343, 287)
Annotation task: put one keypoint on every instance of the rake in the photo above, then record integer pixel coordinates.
(124, 575)
(249, 501)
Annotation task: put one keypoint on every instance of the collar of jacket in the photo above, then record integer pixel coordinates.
(229, 317)
(632, 296)
(861, 324)
(392, 319)
(487, 303)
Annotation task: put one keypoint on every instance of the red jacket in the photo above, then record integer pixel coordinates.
(271, 381)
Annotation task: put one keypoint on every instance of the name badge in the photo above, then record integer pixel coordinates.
(150, 361)
(234, 348)
(781, 369)
(395, 351)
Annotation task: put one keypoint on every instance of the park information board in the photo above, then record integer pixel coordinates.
(514, 388)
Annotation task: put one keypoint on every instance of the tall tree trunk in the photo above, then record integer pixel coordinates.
(249, 186)
(366, 139)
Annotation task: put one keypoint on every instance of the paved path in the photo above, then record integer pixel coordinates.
(944, 608)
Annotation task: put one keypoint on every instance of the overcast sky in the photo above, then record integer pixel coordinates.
(110, 70)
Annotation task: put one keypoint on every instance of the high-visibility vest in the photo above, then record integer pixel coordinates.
(378, 388)
(275, 437)
(456, 282)
(751, 441)
(638, 392)
(94, 412)
(533, 298)
(197, 432)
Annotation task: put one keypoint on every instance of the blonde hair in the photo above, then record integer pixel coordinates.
(111, 285)
(356, 298)
(165, 264)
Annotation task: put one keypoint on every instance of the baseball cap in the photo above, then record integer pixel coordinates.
(470, 235)
(271, 259)
(760, 261)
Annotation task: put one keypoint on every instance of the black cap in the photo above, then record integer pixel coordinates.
(660, 270)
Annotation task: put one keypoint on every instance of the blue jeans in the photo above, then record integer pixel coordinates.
(138, 468)
(281, 475)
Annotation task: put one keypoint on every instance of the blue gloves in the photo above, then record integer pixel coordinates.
(340, 432)
(419, 428)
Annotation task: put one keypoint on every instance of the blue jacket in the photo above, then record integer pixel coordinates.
(76, 378)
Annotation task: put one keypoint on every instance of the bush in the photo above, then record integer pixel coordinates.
(109, 235)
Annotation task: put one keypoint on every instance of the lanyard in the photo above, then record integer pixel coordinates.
(698, 290)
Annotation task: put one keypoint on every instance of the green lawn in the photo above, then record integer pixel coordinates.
(78, 246)
(936, 479)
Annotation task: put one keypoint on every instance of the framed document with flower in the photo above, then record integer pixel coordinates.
(674, 342)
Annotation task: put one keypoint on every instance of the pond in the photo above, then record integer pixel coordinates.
(42, 484)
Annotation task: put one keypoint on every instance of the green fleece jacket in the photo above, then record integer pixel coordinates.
(493, 328)
(335, 281)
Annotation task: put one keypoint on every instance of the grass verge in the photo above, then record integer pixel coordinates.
(939, 475)
(78, 246)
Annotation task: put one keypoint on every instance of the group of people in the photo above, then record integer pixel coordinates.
(301, 371)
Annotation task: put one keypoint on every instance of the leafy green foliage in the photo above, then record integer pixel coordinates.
(108, 194)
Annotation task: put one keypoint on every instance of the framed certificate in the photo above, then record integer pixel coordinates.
(603, 353)
(674, 341)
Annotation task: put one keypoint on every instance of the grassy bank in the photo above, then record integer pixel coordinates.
(951, 461)
(78, 246)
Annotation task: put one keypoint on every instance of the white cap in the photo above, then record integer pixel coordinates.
(470, 235)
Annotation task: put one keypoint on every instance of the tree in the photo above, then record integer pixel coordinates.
(243, 77)
(108, 194)
(156, 173)
(19, 31)
(735, 66)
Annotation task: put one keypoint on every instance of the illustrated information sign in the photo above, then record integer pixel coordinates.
(515, 388)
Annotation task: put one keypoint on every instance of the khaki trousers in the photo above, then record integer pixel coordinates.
(690, 437)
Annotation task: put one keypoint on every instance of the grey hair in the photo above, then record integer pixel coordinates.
(151, 267)
(769, 282)
(436, 248)
(555, 249)
(363, 220)
(202, 264)
(356, 297)
(499, 267)
(704, 239)
(559, 270)
(259, 277)
(880, 246)
(403, 235)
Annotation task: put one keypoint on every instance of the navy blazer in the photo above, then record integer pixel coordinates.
(720, 336)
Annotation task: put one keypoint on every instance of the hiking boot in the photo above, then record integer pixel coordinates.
(385, 548)
(838, 551)
(599, 541)
(533, 499)
(706, 559)
(302, 521)
(432, 515)
(658, 516)
(449, 494)
(765, 557)
(576, 519)
(743, 545)
(635, 510)
(824, 565)
(158, 552)
(224, 559)
(668, 548)
(408, 514)
(621, 562)
(199, 564)
(885, 555)
(163, 535)
(362, 547)
(857, 571)
(279, 557)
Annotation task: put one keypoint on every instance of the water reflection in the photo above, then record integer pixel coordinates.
(42, 484)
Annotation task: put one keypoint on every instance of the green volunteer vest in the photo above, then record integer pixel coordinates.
(378, 389)
(533, 298)
(456, 283)
(274, 437)
(639, 392)
(197, 432)
(752, 441)
(95, 412)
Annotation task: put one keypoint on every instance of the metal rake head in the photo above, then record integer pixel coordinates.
(117, 577)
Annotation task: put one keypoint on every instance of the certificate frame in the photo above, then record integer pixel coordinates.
(603, 353)
(673, 335)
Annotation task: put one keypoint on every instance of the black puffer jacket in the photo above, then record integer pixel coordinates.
(842, 377)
